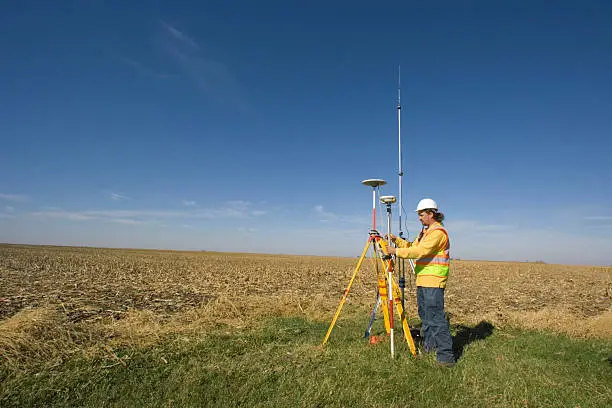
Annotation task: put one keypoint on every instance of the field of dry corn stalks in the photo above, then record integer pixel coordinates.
(81, 299)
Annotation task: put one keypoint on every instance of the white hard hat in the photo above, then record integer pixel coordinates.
(425, 204)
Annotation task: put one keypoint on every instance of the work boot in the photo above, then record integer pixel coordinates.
(446, 364)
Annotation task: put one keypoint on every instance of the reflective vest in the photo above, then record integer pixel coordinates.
(434, 269)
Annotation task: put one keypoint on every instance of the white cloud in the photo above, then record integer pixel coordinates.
(474, 239)
(181, 36)
(248, 230)
(18, 198)
(188, 203)
(9, 209)
(220, 213)
(239, 204)
(485, 239)
(128, 221)
(323, 215)
(67, 215)
(119, 197)
(213, 77)
(233, 209)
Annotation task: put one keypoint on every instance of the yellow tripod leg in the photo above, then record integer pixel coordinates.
(400, 310)
(346, 292)
(381, 267)
(382, 289)
(382, 283)
(398, 304)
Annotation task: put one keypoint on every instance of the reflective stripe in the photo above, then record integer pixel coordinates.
(438, 264)
(437, 270)
(443, 263)
(435, 259)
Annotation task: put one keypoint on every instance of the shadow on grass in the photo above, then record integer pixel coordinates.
(465, 335)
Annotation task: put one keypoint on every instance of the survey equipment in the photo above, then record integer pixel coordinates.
(388, 292)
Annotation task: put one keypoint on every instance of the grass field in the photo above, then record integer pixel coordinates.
(111, 327)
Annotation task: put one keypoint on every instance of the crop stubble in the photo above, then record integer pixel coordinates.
(121, 294)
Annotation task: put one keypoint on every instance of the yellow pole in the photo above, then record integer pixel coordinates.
(346, 292)
(400, 310)
(382, 285)
(396, 296)
(380, 267)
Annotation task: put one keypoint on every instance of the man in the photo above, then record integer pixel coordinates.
(431, 253)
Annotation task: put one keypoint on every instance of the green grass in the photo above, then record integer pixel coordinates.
(280, 364)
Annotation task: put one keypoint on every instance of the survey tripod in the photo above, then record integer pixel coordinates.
(388, 291)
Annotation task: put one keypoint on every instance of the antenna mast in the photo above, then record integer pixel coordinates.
(399, 138)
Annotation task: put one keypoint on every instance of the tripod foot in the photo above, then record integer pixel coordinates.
(376, 339)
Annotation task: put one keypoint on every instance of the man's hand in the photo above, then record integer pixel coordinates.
(393, 237)
(391, 250)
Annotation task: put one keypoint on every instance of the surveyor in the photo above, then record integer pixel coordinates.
(431, 254)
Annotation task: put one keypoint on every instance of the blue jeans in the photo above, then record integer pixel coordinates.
(435, 329)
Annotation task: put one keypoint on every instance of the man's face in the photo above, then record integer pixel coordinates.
(425, 217)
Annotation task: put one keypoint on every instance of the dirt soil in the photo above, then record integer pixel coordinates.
(89, 283)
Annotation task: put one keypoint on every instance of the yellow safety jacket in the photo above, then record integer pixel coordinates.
(431, 252)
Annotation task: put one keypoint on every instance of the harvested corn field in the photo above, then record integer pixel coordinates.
(121, 296)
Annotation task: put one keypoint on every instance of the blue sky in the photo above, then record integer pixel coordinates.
(248, 126)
